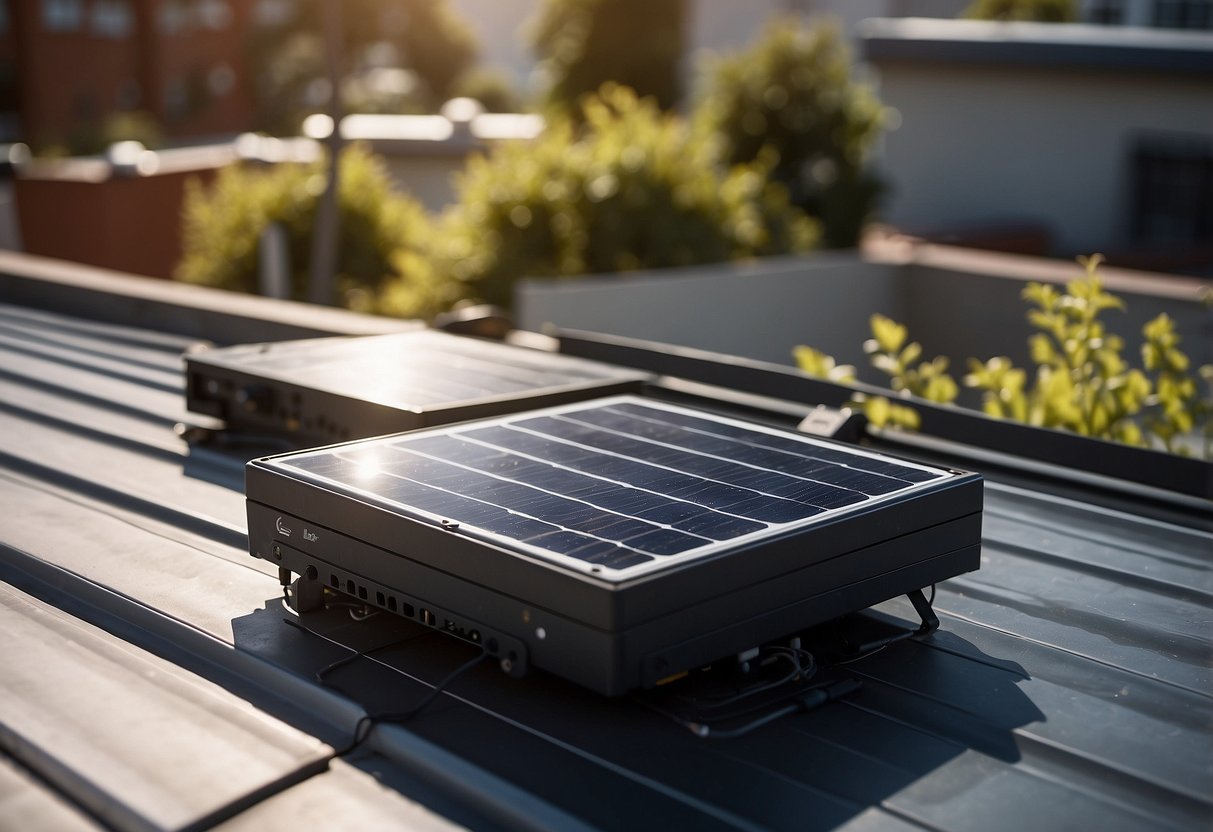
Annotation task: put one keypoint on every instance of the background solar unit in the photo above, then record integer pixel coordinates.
(616, 541)
(321, 390)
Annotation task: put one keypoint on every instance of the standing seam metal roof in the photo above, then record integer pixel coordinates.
(150, 681)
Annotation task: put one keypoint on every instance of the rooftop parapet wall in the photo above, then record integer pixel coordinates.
(192, 311)
(957, 302)
(1036, 45)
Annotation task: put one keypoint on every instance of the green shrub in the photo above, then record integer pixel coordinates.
(899, 361)
(1082, 383)
(492, 89)
(584, 44)
(791, 94)
(288, 59)
(437, 45)
(382, 265)
(625, 188)
(1041, 11)
(90, 138)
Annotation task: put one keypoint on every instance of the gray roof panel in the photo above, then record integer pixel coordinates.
(36, 806)
(1068, 687)
(140, 742)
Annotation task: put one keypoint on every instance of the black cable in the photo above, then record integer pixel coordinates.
(795, 655)
(805, 701)
(803, 667)
(344, 660)
(403, 716)
(364, 724)
(715, 703)
(362, 728)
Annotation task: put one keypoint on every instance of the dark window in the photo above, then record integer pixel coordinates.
(62, 15)
(1173, 190)
(1183, 14)
(1110, 12)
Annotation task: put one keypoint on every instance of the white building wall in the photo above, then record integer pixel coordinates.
(988, 144)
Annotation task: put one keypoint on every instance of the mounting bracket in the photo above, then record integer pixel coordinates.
(930, 621)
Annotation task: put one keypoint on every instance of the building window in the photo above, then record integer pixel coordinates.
(112, 18)
(220, 80)
(176, 97)
(62, 15)
(1106, 12)
(1173, 189)
(129, 94)
(1183, 14)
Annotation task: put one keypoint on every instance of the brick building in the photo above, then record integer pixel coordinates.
(69, 64)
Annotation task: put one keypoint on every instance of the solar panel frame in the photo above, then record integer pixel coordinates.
(314, 391)
(430, 464)
(615, 635)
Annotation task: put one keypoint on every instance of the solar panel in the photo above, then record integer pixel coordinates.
(319, 390)
(617, 488)
(613, 541)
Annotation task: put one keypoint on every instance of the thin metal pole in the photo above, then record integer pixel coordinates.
(327, 228)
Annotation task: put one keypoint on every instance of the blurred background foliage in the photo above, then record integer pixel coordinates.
(791, 94)
(1040, 11)
(404, 56)
(1082, 381)
(583, 44)
(90, 138)
(622, 187)
(381, 262)
(769, 160)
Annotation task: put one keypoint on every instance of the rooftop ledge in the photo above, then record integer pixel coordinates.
(167, 306)
(1039, 45)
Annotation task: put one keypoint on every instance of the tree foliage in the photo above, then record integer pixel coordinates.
(623, 187)
(89, 138)
(382, 262)
(426, 37)
(437, 45)
(791, 94)
(584, 44)
(1082, 382)
(1041, 11)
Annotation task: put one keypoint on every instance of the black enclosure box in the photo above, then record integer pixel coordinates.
(614, 542)
(319, 390)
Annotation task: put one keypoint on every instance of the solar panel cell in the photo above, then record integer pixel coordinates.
(717, 527)
(616, 483)
(710, 426)
(666, 542)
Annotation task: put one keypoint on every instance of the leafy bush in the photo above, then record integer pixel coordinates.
(1041, 11)
(895, 358)
(791, 94)
(89, 138)
(492, 89)
(626, 188)
(426, 37)
(437, 45)
(1082, 383)
(382, 264)
(584, 44)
